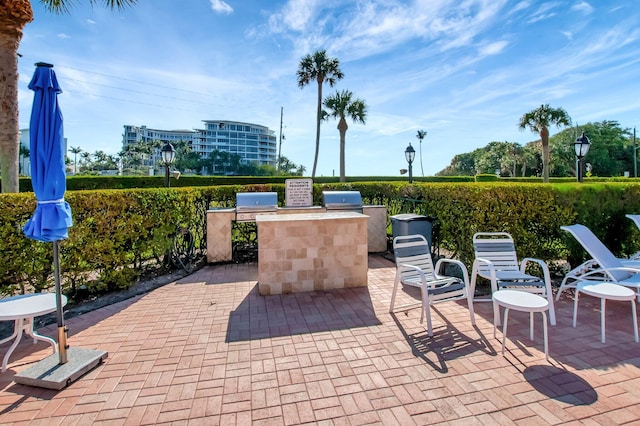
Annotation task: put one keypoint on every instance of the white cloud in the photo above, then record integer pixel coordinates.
(63, 36)
(545, 11)
(220, 6)
(492, 48)
(583, 7)
(90, 21)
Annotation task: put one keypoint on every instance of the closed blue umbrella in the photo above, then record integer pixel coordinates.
(52, 217)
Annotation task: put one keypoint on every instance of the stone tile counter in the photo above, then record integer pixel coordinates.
(311, 251)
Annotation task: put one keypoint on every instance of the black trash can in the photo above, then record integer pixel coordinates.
(409, 224)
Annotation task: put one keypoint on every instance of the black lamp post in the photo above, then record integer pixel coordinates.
(581, 145)
(410, 155)
(168, 154)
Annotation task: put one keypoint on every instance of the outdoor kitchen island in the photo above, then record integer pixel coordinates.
(311, 252)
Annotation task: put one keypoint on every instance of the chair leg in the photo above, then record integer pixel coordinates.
(471, 311)
(426, 310)
(552, 309)
(496, 314)
(393, 293)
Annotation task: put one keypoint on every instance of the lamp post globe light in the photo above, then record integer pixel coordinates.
(168, 155)
(581, 146)
(410, 155)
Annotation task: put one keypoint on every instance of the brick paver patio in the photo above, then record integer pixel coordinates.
(209, 350)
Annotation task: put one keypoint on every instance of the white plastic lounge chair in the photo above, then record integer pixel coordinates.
(496, 260)
(603, 265)
(414, 267)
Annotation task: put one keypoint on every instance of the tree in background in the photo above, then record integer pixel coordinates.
(421, 134)
(461, 165)
(85, 161)
(343, 105)
(611, 154)
(14, 15)
(320, 68)
(538, 121)
(287, 167)
(75, 150)
(186, 159)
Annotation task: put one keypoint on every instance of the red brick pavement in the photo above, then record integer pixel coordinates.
(209, 350)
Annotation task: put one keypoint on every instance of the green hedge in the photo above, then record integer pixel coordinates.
(118, 235)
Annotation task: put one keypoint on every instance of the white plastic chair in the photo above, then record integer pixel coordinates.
(496, 260)
(603, 266)
(636, 219)
(414, 267)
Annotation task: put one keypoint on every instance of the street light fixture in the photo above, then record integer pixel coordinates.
(581, 146)
(410, 155)
(168, 155)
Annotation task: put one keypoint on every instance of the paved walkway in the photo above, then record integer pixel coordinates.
(209, 350)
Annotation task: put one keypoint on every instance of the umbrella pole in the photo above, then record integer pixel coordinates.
(62, 330)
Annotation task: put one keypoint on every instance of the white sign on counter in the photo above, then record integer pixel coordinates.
(298, 192)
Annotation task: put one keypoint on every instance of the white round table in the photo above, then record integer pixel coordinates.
(604, 291)
(520, 301)
(22, 309)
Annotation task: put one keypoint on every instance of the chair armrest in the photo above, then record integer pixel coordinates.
(423, 278)
(419, 270)
(486, 262)
(541, 263)
(607, 272)
(461, 266)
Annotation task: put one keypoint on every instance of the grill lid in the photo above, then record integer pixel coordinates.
(342, 199)
(256, 201)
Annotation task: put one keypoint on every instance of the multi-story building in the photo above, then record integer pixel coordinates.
(134, 134)
(252, 142)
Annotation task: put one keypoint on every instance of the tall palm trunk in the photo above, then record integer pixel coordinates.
(342, 128)
(14, 15)
(544, 138)
(318, 120)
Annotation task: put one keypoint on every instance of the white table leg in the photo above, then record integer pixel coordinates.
(504, 328)
(29, 331)
(602, 318)
(495, 318)
(575, 308)
(531, 325)
(17, 331)
(635, 320)
(24, 325)
(546, 339)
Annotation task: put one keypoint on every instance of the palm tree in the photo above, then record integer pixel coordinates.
(75, 150)
(342, 105)
(538, 121)
(318, 67)
(14, 15)
(421, 134)
(86, 156)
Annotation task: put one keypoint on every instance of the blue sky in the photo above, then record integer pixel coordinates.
(464, 71)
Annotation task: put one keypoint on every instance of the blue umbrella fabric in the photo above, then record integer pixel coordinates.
(52, 217)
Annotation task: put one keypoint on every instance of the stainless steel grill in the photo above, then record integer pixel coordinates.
(249, 204)
(345, 201)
